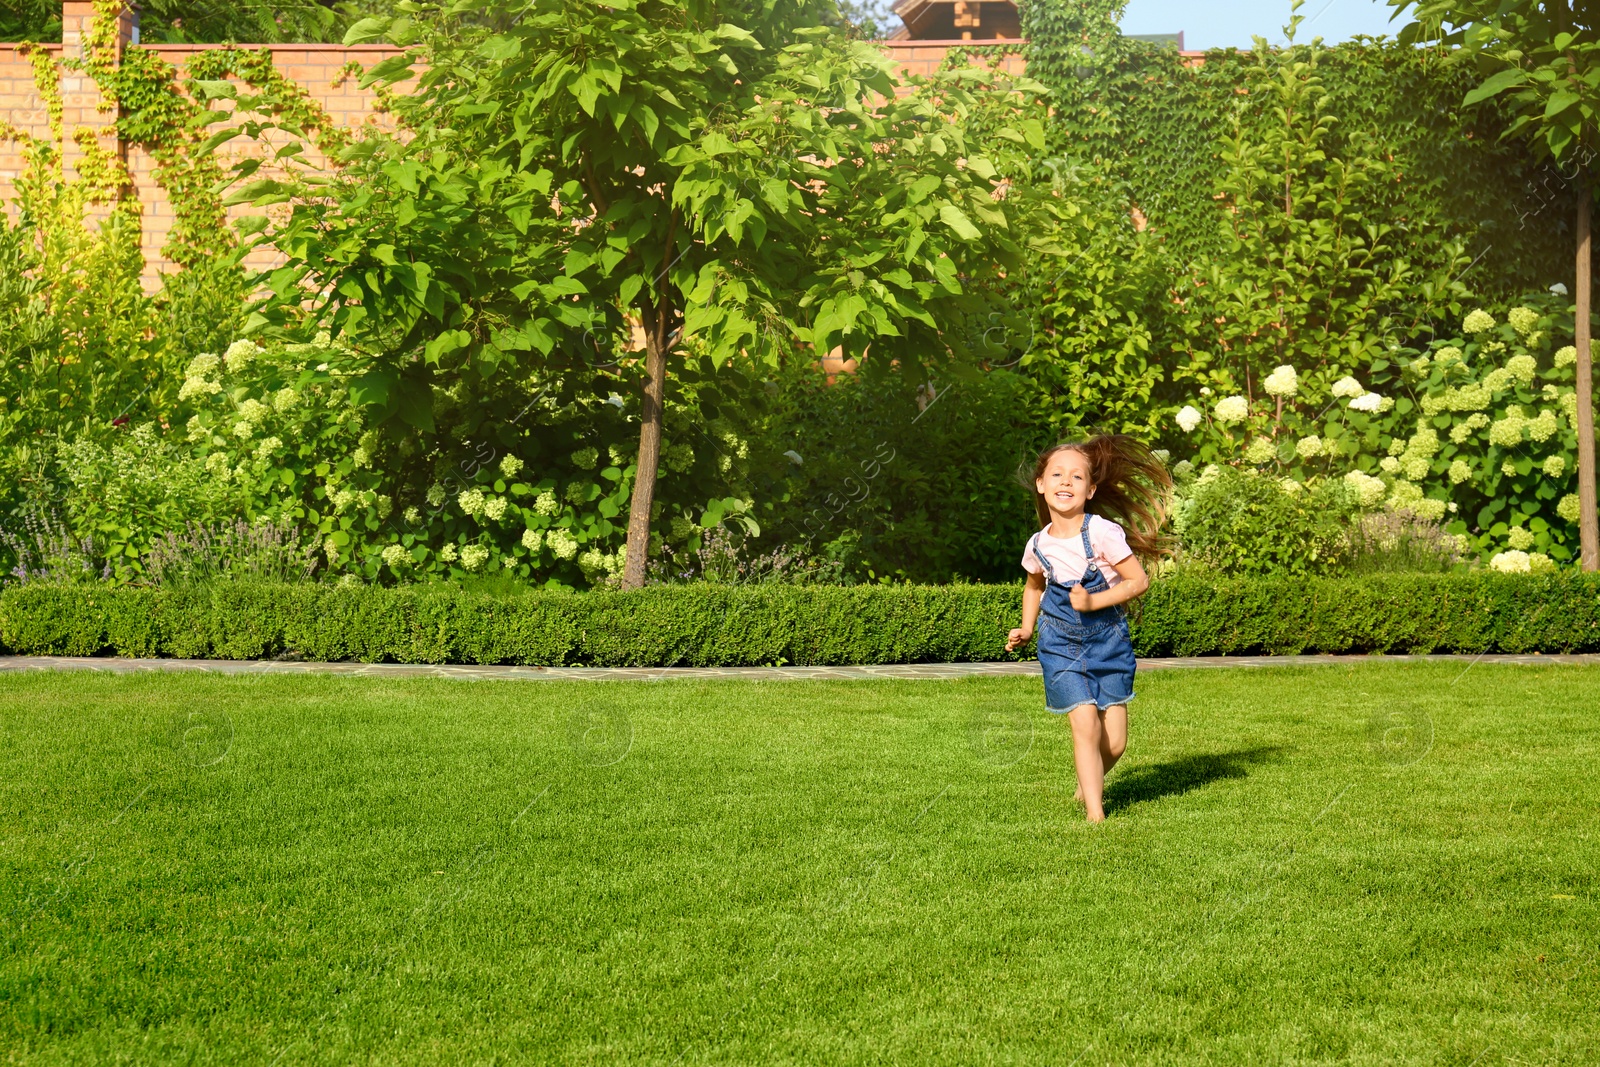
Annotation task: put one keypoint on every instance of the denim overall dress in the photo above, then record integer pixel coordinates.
(1087, 656)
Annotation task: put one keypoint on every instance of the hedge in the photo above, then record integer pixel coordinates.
(711, 625)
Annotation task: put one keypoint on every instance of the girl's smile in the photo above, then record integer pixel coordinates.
(1065, 483)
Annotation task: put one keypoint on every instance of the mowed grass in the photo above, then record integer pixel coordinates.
(1293, 871)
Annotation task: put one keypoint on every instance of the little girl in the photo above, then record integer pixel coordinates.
(1084, 567)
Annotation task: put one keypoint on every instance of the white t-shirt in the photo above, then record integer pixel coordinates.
(1106, 540)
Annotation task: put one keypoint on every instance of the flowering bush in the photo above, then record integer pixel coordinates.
(1476, 431)
(531, 483)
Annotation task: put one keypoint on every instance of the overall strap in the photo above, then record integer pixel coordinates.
(1088, 553)
(1049, 574)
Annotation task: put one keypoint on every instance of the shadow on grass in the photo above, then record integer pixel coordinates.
(1179, 776)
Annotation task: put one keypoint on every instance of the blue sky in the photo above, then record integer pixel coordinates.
(1209, 24)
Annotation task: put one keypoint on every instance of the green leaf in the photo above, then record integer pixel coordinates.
(952, 217)
(1494, 84)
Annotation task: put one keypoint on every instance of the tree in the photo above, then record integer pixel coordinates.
(721, 173)
(1541, 61)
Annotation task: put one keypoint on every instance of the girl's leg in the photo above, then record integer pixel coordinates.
(1087, 735)
(1113, 735)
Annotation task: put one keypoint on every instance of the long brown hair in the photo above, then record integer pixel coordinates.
(1131, 488)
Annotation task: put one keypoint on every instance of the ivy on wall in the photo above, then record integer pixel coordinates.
(171, 117)
(1147, 121)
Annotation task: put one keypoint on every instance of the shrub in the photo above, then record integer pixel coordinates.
(1245, 523)
(723, 625)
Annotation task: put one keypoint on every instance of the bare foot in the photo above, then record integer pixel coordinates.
(1077, 795)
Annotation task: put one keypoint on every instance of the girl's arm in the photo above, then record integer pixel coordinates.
(1031, 594)
(1134, 583)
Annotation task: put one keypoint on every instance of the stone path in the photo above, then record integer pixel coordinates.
(655, 674)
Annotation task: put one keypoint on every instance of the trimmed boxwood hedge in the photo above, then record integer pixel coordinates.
(710, 625)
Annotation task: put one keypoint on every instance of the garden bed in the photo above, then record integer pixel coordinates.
(712, 625)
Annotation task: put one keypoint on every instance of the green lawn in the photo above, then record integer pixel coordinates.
(321, 870)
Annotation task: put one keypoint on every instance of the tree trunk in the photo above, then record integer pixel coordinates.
(1588, 527)
(644, 477)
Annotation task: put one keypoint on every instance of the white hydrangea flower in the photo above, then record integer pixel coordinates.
(1282, 382)
(1420, 365)
(1389, 464)
(1460, 432)
(1404, 496)
(1309, 447)
(435, 495)
(1425, 442)
(448, 553)
(384, 505)
(331, 550)
(243, 430)
(1428, 508)
(1188, 418)
(1523, 368)
(470, 501)
(1478, 321)
(1347, 387)
(1512, 562)
(217, 466)
(206, 363)
(239, 354)
(1554, 466)
(1210, 474)
(1543, 426)
(618, 455)
(1459, 472)
(1448, 355)
(1568, 507)
(1414, 467)
(1368, 402)
(1161, 454)
(197, 387)
(1523, 320)
(394, 556)
(1566, 357)
(1507, 432)
(285, 399)
(577, 492)
(585, 458)
(1182, 469)
(1291, 486)
(1260, 450)
(561, 544)
(495, 508)
(1508, 468)
(341, 499)
(474, 556)
(510, 465)
(1232, 409)
(1559, 289)
(360, 457)
(546, 504)
(267, 447)
(1205, 390)
(1519, 537)
(412, 516)
(196, 429)
(1367, 489)
(678, 458)
(532, 539)
(1539, 563)
(1497, 380)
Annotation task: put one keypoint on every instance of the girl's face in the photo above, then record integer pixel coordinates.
(1065, 482)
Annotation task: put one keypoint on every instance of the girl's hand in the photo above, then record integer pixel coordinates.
(1017, 639)
(1082, 599)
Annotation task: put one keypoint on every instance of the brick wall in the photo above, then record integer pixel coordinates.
(315, 67)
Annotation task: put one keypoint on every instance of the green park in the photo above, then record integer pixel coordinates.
(798, 531)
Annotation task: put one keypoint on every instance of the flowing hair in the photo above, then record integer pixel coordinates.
(1131, 488)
